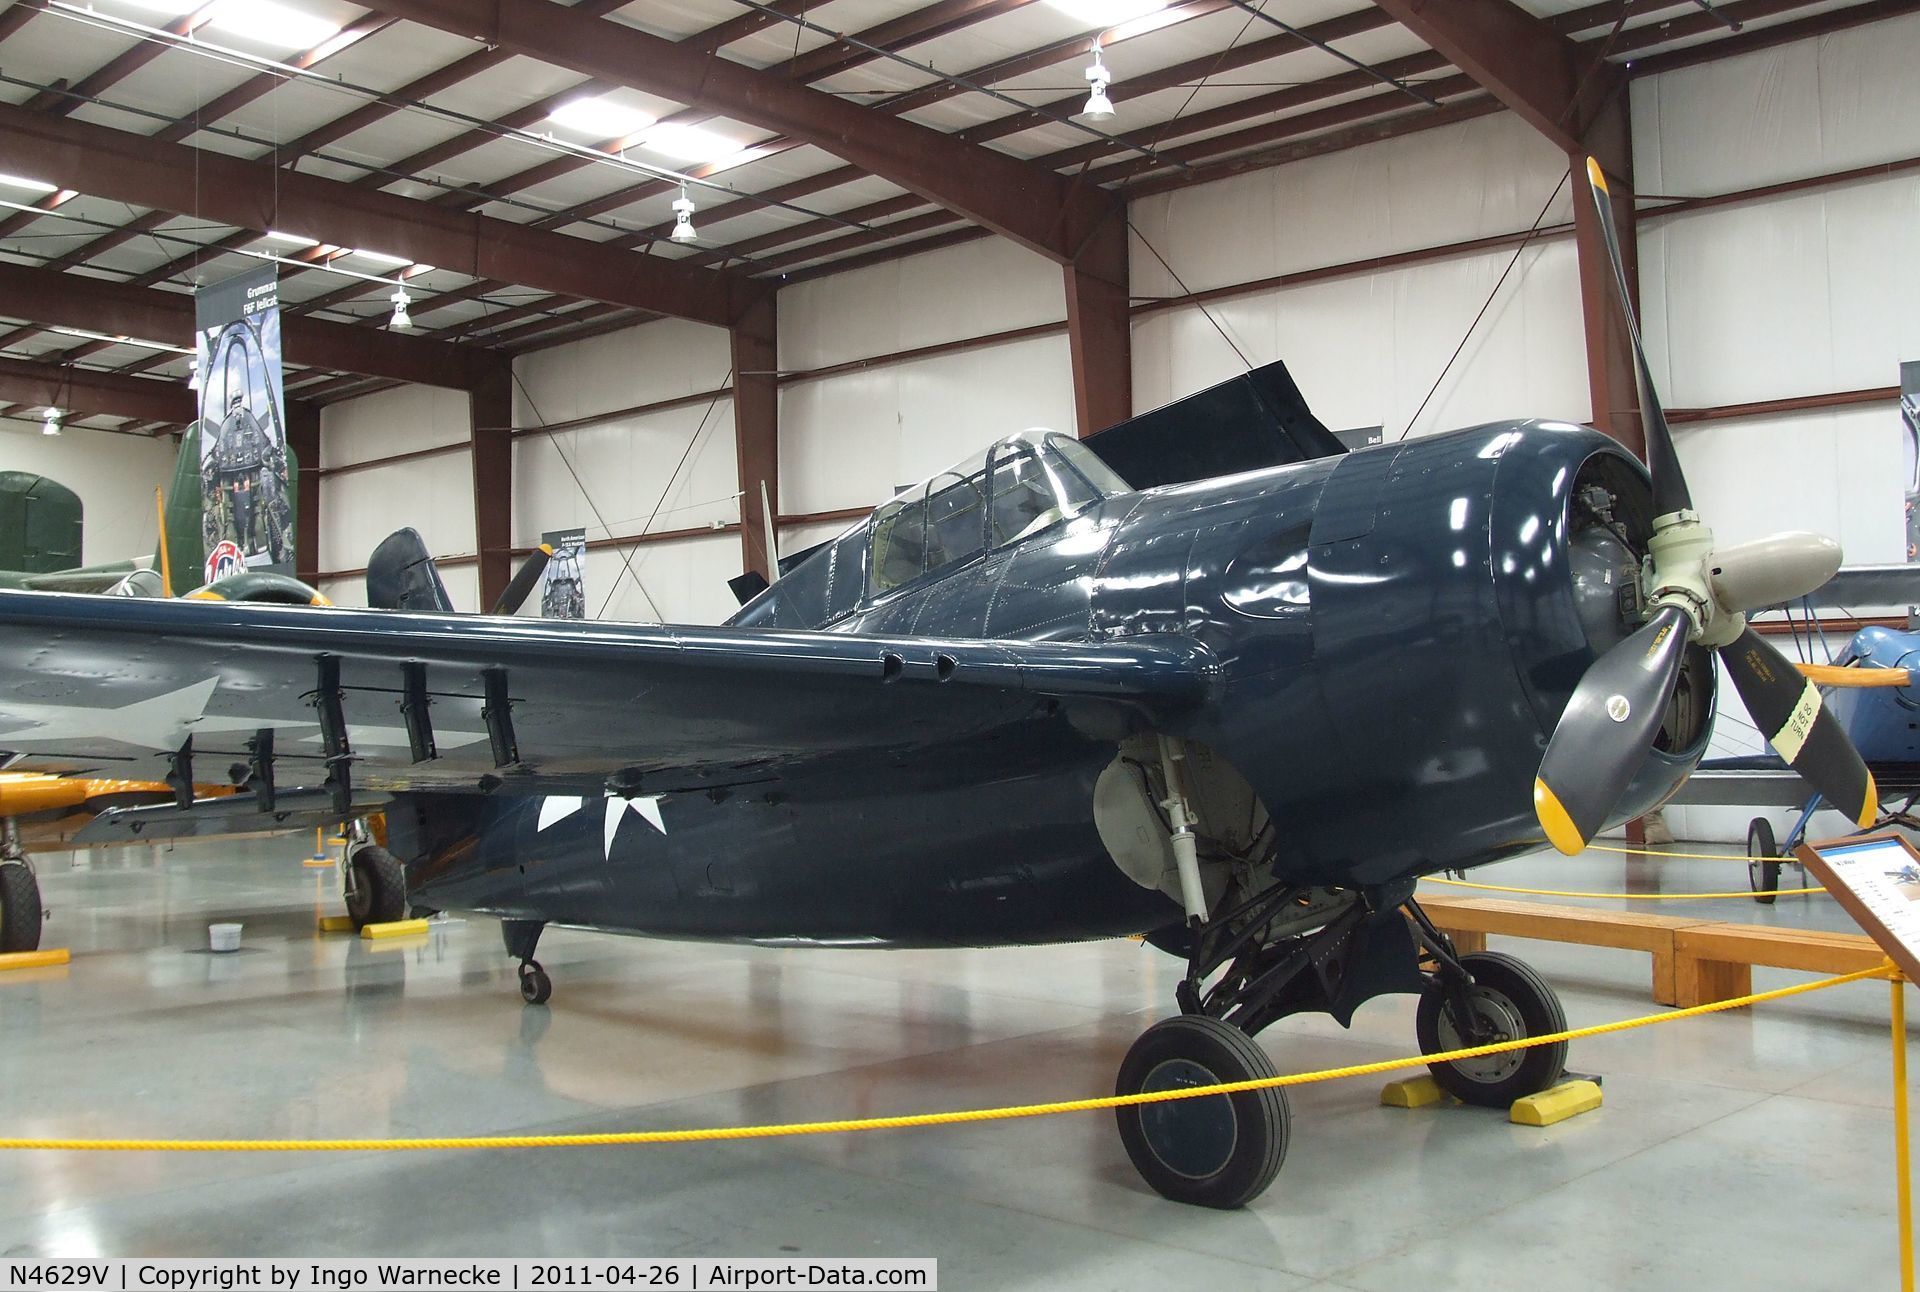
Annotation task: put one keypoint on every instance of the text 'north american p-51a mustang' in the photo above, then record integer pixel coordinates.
(1066, 690)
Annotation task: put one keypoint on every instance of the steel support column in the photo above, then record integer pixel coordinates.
(491, 406)
(1098, 330)
(756, 421)
(303, 437)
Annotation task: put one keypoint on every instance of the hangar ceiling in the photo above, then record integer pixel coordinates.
(514, 163)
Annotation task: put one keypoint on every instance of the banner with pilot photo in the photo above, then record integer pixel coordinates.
(563, 588)
(246, 513)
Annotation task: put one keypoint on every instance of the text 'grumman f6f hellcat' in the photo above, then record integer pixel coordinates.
(1032, 702)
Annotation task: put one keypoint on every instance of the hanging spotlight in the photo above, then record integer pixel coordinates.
(401, 320)
(683, 217)
(51, 424)
(1099, 106)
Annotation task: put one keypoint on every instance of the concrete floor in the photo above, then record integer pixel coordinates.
(1748, 1151)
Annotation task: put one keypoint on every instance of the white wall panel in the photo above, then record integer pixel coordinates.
(946, 295)
(1366, 350)
(613, 477)
(433, 495)
(1806, 108)
(683, 581)
(639, 365)
(849, 441)
(392, 421)
(1486, 176)
(115, 476)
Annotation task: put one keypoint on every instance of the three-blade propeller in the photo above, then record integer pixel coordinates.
(1695, 595)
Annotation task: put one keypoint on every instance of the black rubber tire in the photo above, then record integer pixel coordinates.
(1763, 877)
(19, 908)
(378, 894)
(1213, 1151)
(1525, 1006)
(535, 987)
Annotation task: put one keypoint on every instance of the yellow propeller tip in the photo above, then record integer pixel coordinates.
(1562, 833)
(1598, 176)
(1869, 810)
(547, 548)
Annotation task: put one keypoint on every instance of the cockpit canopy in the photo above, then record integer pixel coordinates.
(1015, 487)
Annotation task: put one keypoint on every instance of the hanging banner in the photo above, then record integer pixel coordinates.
(246, 516)
(563, 588)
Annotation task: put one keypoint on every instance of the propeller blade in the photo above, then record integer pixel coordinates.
(1670, 492)
(524, 582)
(1607, 728)
(1786, 707)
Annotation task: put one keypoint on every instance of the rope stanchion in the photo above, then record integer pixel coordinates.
(1749, 894)
(697, 1135)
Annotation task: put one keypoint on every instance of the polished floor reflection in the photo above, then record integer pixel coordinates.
(1748, 1151)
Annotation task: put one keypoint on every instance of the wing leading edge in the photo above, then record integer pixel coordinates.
(397, 701)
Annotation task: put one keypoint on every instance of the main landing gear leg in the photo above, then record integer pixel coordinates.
(522, 938)
(1480, 999)
(20, 913)
(374, 882)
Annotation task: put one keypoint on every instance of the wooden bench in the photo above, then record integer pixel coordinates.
(1468, 920)
(1715, 961)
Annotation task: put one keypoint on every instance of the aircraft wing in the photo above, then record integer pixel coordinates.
(526, 704)
(226, 815)
(1762, 780)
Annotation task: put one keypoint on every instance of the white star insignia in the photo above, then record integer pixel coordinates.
(617, 810)
(161, 722)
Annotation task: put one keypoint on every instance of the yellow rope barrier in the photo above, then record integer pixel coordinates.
(1634, 897)
(710, 1133)
(1685, 856)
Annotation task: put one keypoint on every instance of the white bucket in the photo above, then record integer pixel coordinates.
(224, 937)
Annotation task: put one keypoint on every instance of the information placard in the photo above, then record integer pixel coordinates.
(1876, 879)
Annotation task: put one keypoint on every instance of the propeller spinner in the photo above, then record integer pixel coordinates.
(1694, 594)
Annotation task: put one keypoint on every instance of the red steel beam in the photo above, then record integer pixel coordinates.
(491, 406)
(118, 166)
(88, 393)
(76, 300)
(756, 415)
(1026, 203)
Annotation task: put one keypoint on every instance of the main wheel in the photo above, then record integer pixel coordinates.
(376, 887)
(1211, 1150)
(19, 908)
(1763, 875)
(535, 987)
(1509, 1001)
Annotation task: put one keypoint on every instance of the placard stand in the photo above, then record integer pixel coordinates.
(1876, 880)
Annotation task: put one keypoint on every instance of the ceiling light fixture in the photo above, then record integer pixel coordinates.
(50, 425)
(1099, 106)
(31, 185)
(683, 209)
(401, 320)
(600, 116)
(291, 239)
(378, 257)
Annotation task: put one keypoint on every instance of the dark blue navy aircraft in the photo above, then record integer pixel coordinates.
(1064, 691)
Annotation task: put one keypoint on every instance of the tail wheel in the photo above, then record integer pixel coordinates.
(1214, 1150)
(376, 887)
(1763, 876)
(19, 908)
(1509, 1002)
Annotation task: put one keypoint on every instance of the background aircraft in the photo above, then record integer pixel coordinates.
(1032, 701)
